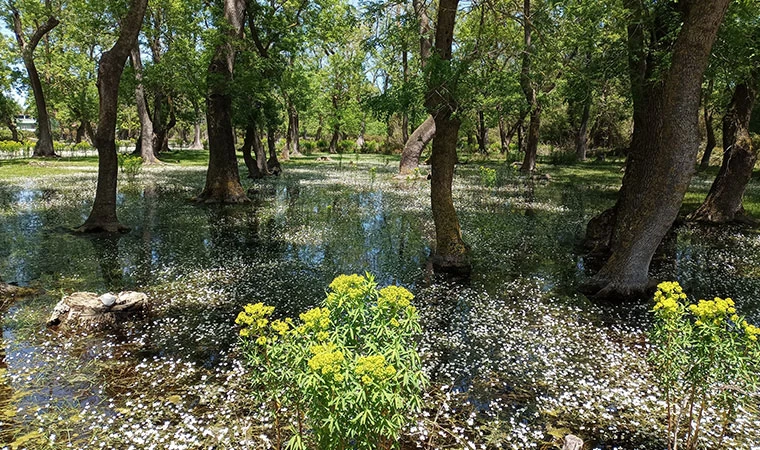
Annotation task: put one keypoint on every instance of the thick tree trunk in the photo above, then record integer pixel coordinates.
(410, 157)
(103, 215)
(146, 124)
(291, 140)
(482, 133)
(273, 165)
(44, 146)
(222, 178)
(334, 140)
(451, 254)
(531, 149)
(724, 201)
(581, 139)
(661, 159)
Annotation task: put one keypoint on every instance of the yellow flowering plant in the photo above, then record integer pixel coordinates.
(346, 375)
(705, 356)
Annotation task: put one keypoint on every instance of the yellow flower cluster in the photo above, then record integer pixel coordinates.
(253, 318)
(374, 367)
(327, 360)
(714, 310)
(281, 327)
(668, 295)
(394, 297)
(316, 319)
(344, 286)
(752, 331)
(348, 284)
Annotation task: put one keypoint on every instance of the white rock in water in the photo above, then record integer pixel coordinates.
(108, 299)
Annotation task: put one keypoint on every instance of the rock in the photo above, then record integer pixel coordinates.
(572, 443)
(89, 309)
(108, 299)
(324, 158)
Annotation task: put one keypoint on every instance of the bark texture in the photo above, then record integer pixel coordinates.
(410, 157)
(664, 147)
(709, 130)
(255, 162)
(724, 201)
(581, 139)
(273, 165)
(292, 147)
(146, 124)
(222, 178)
(103, 215)
(451, 253)
(44, 145)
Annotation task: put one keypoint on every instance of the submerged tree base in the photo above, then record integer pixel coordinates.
(459, 266)
(102, 227)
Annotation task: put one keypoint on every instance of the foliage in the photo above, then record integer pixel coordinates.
(348, 369)
(562, 157)
(487, 176)
(130, 165)
(705, 356)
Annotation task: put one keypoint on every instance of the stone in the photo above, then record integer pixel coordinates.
(89, 309)
(572, 443)
(108, 299)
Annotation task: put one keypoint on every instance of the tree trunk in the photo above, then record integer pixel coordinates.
(163, 137)
(103, 215)
(724, 201)
(146, 124)
(360, 139)
(334, 140)
(531, 150)
(581, 139)
(482, 133)
(664, 147)
(197, 139)
(711, 141)
(410, 157)
(79, 133)
(291, 140)
(44, 146)
(11, 124)
(710, 131)
(257, 167)
(273, 165)
(223, 179)
(451, 254)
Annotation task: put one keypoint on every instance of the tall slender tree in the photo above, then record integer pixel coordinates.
(451, 253)
(27, 46)
(103, 215)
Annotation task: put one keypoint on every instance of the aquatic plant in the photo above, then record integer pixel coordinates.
(348, 370)
(487, 176)
(131, 166)
(706, 357)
